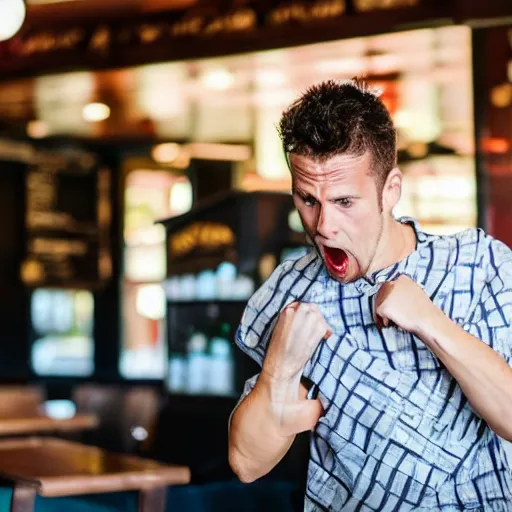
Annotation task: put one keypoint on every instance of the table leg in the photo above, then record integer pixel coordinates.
(152, 500)
(23, 498)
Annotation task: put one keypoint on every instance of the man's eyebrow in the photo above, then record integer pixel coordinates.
(298, 191)
(345, 196)
(302, 193)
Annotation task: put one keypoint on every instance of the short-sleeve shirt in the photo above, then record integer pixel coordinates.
(397, 433)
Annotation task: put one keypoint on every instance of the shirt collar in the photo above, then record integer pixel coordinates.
(407, 266)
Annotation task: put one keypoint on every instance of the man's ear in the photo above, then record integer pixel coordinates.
(392, 190)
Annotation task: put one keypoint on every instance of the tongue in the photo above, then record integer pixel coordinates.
(336, 258)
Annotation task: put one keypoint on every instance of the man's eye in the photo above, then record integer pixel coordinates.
(309, 201)
(345, 202)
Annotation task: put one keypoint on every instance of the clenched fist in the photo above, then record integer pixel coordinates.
(299, 330)
(404, 303)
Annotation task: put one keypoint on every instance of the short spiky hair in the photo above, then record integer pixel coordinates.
(334, 117)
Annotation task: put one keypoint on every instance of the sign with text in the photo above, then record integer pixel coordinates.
(208, 28)
(67, 223)
(200, 237)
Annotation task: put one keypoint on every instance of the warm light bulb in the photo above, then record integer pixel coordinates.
(37, 129)
(95, 112)
(166, 153)
(218, 79)
(12, 16)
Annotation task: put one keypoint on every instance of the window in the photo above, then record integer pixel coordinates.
(149, 195)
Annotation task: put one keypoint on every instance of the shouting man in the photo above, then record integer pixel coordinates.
(392, 345)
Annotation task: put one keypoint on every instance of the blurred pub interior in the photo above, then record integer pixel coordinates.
(144, 194)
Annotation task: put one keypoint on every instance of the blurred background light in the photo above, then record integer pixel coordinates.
(12, 16)
(95, 112)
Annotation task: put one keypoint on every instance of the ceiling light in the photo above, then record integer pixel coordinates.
(95, 112)
(37, 129)
(219, 79)
(12, 16)
(501, 95)
(165, 153)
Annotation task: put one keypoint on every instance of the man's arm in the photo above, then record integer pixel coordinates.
(266, 422)
(483, 375)
(264, 425)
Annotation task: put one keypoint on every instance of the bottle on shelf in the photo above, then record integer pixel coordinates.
(177, 378)
(225, 279)
(221, 363)
(198, 363)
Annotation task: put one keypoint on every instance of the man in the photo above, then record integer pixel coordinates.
(393, 346)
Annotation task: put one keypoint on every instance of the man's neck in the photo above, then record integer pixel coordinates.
(397, 241)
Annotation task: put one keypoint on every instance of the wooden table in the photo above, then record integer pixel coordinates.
(21, 412)
(54, 467)
(44, 424)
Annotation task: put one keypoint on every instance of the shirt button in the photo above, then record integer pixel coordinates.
(381, 279)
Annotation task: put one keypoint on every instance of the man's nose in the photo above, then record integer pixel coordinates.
(326, 225)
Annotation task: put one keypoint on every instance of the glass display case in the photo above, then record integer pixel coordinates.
(217, 255)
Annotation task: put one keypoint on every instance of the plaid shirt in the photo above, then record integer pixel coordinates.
(398, 434)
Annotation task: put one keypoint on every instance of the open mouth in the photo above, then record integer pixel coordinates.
(336, 260)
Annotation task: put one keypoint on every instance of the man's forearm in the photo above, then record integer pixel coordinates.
(255, 443)
(483, 375)
(265, 424)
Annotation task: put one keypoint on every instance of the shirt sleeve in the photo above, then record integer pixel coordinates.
(262, 312)
(492, 320)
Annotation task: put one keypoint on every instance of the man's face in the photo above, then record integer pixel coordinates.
(340, 206)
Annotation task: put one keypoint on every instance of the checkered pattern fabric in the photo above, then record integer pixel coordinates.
(398, 434)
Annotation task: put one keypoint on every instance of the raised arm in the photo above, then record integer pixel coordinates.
(266, 422)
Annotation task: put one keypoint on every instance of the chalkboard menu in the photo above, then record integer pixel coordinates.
(67, 221)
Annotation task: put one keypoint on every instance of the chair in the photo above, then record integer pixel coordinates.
(104, 401)
(141, 407)
(127, 415)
